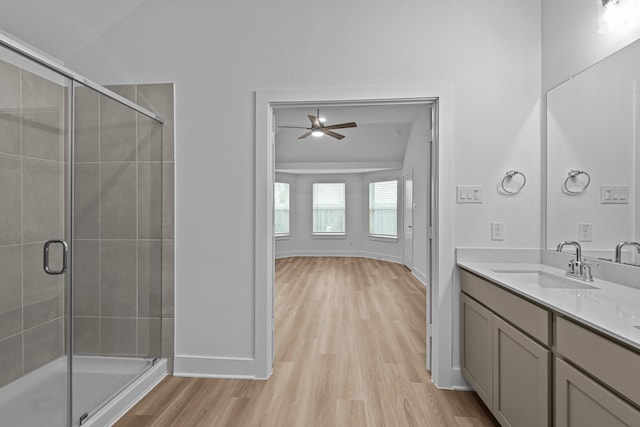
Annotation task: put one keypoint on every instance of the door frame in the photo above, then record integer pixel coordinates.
(442, 258)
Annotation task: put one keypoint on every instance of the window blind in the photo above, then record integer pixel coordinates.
(383, 208)
(329, 208)
(281, 208)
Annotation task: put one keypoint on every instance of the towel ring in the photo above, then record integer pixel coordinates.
(572, 175)
(508, 177)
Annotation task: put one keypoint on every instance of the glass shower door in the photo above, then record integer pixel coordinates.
(117, 281)
(34, 144)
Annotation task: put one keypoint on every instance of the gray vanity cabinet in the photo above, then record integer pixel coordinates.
(520, 378)
(476, 348)
(582, 402)
(499, 356)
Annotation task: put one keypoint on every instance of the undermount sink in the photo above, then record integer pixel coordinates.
(543, 279)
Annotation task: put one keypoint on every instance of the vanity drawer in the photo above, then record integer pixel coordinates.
(613, 364)
(534, 320)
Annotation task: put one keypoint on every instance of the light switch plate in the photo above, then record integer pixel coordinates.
(614, 195)
(469, 193)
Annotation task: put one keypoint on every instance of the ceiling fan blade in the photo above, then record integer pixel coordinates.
(342, 126)
(293, 127)
(305, 135)
(315, 123)
(333, 134)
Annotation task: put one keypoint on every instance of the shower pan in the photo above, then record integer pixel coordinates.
(80, 244)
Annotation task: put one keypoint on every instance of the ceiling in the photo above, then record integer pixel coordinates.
(65, 27)
(377, 143)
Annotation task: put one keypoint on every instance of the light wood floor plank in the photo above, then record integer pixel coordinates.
(349, 351)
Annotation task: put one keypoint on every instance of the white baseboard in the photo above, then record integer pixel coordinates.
(458, 382)
(214, 367)
(357, 254)
(420, 276)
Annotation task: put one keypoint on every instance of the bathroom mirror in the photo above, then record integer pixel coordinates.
(592, 122)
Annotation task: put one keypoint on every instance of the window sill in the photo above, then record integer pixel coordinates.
(329, 235)
(283, 236)
(380, 238)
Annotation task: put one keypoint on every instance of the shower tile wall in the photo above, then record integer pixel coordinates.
(32, 116)
(123, 283)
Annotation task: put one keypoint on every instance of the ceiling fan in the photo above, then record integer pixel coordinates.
(318, 128)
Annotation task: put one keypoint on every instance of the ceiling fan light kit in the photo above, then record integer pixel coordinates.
(318, 128)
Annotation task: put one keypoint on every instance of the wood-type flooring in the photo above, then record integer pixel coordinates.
(349, 351)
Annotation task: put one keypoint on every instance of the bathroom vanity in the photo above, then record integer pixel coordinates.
(542, 349)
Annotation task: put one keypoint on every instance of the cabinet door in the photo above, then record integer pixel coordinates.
(520, 378)
(476, 324)
(581, 402)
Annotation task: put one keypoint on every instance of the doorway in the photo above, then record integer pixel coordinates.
(266, 103)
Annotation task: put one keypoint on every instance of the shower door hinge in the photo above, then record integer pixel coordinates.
(84, 417)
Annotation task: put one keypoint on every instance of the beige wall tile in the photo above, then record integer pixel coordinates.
(168, 298)
(10, 290)
(86, 214)
(149, 139)
(86, 335)
(11, 356)
(159, 99)
(10, 133)
(42, 199)
(118, 336)
(168, 200)
(42, 345)
(118, 201)
(149, 278)
(87, 121)
(118, 277)
(10, 200)
(86, 283)
(149, 200)
(117, 131)
(149, 338)
(42, 133)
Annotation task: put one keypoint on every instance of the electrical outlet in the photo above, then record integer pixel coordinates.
(497, 231)
(584, 232)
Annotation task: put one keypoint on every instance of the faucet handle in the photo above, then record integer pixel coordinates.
(586, 275)
(572, 266)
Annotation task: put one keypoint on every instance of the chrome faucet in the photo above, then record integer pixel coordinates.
(622, 245)
(577, 268)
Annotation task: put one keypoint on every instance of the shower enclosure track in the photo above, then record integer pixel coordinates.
(61, 69)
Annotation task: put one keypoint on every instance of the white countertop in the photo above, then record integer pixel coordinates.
(612, 309)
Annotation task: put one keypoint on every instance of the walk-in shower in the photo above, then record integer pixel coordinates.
(81, 242)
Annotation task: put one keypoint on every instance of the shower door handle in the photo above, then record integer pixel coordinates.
(45, 261)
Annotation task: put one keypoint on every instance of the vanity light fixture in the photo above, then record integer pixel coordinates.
(616, 14)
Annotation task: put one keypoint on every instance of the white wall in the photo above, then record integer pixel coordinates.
(356, 242)
(571, 41)
(219, 53)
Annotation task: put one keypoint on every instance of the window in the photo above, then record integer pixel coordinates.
(328, 208)
(383, 208)
(281, 209)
